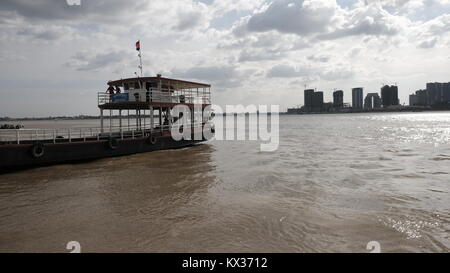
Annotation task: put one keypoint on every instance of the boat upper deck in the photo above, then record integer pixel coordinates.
(143, 92)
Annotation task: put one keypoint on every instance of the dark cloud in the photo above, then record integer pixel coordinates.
(42, 9)
(98, 10)
(321, 19)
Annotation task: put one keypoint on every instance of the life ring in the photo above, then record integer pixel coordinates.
(113, 143)
(38, 150)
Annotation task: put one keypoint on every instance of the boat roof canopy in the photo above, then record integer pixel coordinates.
(177, 84)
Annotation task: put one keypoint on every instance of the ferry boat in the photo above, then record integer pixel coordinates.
(135, 117)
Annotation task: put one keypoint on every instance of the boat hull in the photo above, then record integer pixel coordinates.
(24, 155)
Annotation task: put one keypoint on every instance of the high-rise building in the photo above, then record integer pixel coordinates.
(372, 101)
(318, 101)
(338, 99)
(313, 100)
(434, 93)
(446, 93)
(413, 100)
(389, 95)
(421, 97)
(357, 98)
(309, 95)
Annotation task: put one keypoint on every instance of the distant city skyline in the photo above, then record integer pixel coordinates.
(435, 94)
(315, 98)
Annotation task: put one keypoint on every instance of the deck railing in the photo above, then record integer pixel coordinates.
(155, 95)
(18, 136)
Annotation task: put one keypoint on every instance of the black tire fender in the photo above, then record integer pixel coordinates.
(113, 143)
(38, 150)
(152, 140)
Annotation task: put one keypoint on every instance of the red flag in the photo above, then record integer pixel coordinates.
(138, 45)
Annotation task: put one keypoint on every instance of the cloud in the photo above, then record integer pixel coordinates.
(257, 56)
(355, 51)
(319, 58)
(417, 10)
(99, 10)
(337, 73)
(83, 61)
(427, 35)
(188, 20)
(428, 44)
(439, 25)
(288, 71)
(210, 73)
(47, 33)
(298, 17)
(370, 19)
(325, 20)
(11, 56)
(327, 73)
(220, 76)
(266, 40)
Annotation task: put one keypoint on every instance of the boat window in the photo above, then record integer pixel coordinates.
(131, 85)
(152, 85)
(126, 86)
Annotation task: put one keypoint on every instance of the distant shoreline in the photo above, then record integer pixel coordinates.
(6, 119)
(405, 109)
(350, 111)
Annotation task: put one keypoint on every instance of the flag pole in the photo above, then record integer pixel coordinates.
(140, 57)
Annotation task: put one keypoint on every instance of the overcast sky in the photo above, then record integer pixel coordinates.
(54, 57)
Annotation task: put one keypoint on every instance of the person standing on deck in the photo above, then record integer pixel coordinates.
(110, 91)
